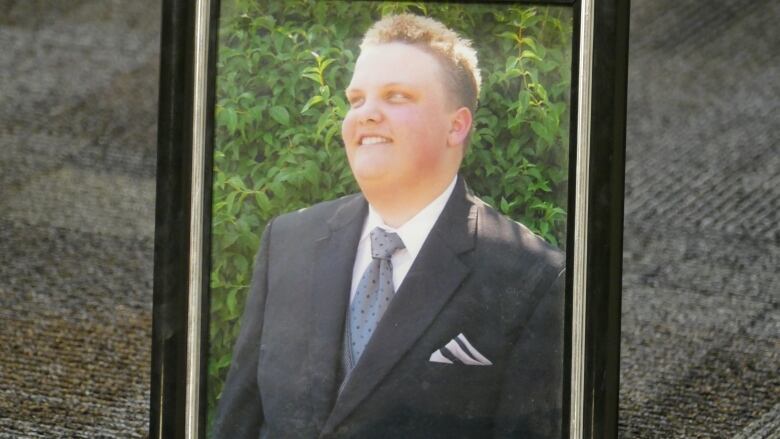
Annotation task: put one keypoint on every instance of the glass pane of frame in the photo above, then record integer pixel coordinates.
(288, 137)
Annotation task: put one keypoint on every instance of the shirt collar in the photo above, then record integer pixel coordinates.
(413, 232)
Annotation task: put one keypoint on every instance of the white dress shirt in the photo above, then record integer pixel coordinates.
(413, 234)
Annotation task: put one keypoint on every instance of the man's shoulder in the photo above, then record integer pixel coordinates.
(317, 216)
(519, 268)
(500, 237)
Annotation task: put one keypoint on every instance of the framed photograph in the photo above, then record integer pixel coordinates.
(389, 219)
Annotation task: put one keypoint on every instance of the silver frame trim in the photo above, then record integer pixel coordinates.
(195, 293)
(580, 247)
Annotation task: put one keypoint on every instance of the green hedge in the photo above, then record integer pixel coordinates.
(282, 68)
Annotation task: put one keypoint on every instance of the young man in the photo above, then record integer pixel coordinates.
(412, 309)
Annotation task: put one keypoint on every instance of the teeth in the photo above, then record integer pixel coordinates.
(373, 139)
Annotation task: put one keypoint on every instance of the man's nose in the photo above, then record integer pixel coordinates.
(369, 112)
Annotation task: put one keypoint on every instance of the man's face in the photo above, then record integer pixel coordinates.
(398, 131)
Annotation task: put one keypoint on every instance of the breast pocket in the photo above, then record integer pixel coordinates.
(454, 389)
(457, 375)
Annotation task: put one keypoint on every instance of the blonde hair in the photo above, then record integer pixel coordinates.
(454, 53)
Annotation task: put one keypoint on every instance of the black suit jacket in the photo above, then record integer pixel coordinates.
(478, 273)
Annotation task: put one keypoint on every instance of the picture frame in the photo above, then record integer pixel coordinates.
(187, 130)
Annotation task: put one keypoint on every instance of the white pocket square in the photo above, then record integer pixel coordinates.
(459, 351)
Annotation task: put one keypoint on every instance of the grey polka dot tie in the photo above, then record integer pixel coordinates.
(373, 293)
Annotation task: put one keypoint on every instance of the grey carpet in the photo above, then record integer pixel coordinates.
(77, 134)
(701, 327)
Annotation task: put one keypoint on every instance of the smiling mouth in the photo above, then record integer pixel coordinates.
(372, 140)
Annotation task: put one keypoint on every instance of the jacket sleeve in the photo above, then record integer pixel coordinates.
(530, 405)
(240, 410)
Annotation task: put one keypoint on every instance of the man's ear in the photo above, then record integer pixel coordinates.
(460, 124)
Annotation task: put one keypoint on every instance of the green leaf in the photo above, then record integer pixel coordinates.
(313, 76)
(230, 118)
(262, 200)
(231, 301)
(530, 54)
(530, 42)
(509, 36)
(237, 183)
(312, 102)
(256, 113)
(325, 91)
(280, 114)
(513, 73)
(541, 131)
(329, 135)
(324, 65)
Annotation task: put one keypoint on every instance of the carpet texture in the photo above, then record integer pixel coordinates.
(700, 344)
(78, 116)
(700, 349)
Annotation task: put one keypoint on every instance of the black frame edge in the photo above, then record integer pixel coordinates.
(172, 221)
(605, 217)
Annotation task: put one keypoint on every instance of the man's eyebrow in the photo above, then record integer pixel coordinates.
(398, 84)
(352, 89)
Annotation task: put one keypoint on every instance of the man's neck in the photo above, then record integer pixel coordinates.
(398, 207)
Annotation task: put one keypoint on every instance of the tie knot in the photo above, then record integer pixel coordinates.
(384, 243)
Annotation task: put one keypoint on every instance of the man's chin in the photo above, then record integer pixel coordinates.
(375, 181)
(370, 179)
(368, 170)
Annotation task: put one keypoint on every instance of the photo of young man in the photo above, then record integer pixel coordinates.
(411, 309)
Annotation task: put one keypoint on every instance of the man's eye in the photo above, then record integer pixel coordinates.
(355, 102)
(398, 96)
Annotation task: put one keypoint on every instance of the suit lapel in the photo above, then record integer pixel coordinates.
(333, 261)
(434, 276)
